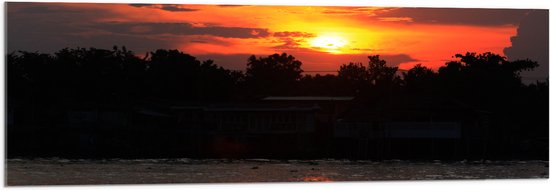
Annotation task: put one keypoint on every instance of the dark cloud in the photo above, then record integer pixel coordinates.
(457, 16)
(454, 16)
(176, 8)
(166, 7)
(531, 42)
(56, 41)
(47, 28)
(51, 36)
(290, 39)
(199, 41)
(288, 43)
(53, 12)
(43, 10)
(182, 29)
(141, 5)
(397, 59)
(41, 27)
(41, 19)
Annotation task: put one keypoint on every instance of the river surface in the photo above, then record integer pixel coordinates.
(56, 171)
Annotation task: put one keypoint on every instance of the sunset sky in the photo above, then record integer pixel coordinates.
(323, 38)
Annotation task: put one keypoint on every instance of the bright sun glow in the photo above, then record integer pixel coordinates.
(329, 43)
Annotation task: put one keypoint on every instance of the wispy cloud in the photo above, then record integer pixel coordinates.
(453, 16)
(181, 29)
(291, 39)
(166, 7)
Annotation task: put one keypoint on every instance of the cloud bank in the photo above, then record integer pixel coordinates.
(531, 42)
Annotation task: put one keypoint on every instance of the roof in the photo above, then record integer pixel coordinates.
(410, 108)
(186, 107)
(310, 98)
(237, 109)
(246, 108)
(153, 113)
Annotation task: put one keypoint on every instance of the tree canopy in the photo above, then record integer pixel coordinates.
(273, 74)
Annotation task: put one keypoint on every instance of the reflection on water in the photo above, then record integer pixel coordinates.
(316, 178)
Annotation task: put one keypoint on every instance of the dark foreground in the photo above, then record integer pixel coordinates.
(154, 171)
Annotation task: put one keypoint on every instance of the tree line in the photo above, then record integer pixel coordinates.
(48, 84)
(118, 75)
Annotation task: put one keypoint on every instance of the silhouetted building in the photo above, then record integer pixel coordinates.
(329, 106)
(259, 126)
(420, 129)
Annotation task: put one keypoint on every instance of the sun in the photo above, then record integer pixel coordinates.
(329, 43)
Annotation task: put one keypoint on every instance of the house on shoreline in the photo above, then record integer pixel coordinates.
(273, 127)
(411, 129)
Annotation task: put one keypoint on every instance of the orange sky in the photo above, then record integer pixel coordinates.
(321, 37)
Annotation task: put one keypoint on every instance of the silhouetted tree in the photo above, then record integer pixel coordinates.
(20, 72)
(30, 84)
(419, 78)
(172, 74)
(379, 74)
(353, 77)
(490, 82)
(94, 75)
(353, 72)
(177, 75)
(217, 83)
(323, 85)
(489, 75)
(275, 74)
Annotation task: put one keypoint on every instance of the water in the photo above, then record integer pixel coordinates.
(55, 171)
